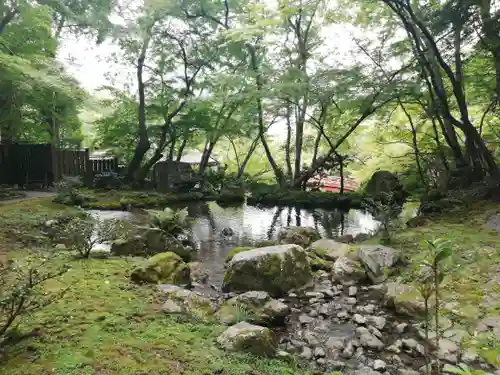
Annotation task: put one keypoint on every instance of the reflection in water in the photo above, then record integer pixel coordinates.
(252, 224)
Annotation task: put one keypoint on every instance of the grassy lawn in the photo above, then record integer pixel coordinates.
(106, 325)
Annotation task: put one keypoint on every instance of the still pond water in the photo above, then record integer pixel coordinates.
(251, 224)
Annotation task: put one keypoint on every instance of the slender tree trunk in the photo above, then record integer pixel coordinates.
(316, 147)
(207, 152)
(171, 150)
(289, 172)
(416, 149)
(307, 174)
(181, 150)
(241, 168)
(439, 146)
(258, 81)
(143, 144)
(341, 161)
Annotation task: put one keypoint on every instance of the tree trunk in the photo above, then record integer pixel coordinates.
(241, 168)
(205, 158)
(289, 171)
(416, 150)
(316, 147)
(181, 150)
(341, 164)
(143, 144)
(11, 13)
(307, 174)
(258, 81)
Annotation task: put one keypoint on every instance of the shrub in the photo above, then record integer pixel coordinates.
(173, 222)
(84, 233)
(21, 289)
(68, 191)
(386, 212)
(108, 181)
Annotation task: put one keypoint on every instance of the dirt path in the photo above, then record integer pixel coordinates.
(29, 195)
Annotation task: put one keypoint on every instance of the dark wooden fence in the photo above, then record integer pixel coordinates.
(26, 164)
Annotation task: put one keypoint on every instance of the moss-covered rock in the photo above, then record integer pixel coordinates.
(384, 184)
(330, 249)
(274, 269)
(166, 268)
(348, 270)
(302, 236)
(318, 263)
(266, 243)
(379, 261)
(405, 299)
(134, 246)
(256, 307)
(181, 300)
(198, 273)
(249, 338)
(235, 251)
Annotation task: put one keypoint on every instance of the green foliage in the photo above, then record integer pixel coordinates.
(69, 191)
(241, 313)
(84, 233)
(171, 221)
(430, 275)
(386, 211)
(463, 369)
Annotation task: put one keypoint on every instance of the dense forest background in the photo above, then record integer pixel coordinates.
(263, 85)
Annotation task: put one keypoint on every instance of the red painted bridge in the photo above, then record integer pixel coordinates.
(333, 183)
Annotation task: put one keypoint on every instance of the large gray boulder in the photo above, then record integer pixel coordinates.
(255, 307)
(274, 269)
(249, 338)
(348, 271)
(302, 236)
(133, 246)
(378, 261)
(330, 249)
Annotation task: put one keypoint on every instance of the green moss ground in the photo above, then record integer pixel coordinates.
(472, 281)
(107, 325)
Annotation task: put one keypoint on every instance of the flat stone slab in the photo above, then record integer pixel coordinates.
(494, 222)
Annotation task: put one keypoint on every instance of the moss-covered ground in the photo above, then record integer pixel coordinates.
(105, 324)
(471, 288)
